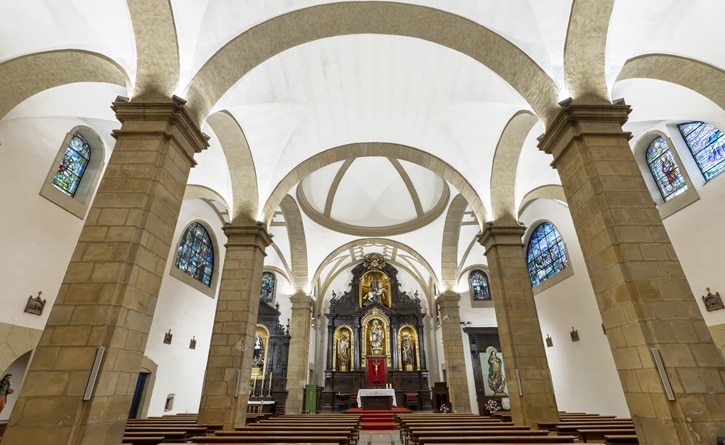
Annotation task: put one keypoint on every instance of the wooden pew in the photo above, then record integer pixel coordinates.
(598, 434)
(621, 439)
(168, 436)
(501, 440)
(266, 439)
(143, 440)
(423, 437)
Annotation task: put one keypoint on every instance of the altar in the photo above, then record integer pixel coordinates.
(377, 398)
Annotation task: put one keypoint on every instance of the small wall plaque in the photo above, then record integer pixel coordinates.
(192, 343)
(549, 341)
(712, 301)
(167, 337)
(35, 305)
(574, 334)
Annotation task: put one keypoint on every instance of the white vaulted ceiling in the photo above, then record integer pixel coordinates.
(370, 116)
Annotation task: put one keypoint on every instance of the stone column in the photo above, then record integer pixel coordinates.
(226, 383)
(644, 298)
(299, 350)
(108, 295)
(527, 369)
(454, 352)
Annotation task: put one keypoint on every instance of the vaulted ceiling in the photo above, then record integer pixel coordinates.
(364, 126)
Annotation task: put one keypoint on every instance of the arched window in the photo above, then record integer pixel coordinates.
(545, 254)
(195, 256)
(478, 283)
(664, 169)
(73, 164)
(707, 145)
(269, 282)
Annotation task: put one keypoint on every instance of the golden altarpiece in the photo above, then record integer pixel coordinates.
(375, 334)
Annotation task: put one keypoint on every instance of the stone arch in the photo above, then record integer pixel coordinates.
(208, 195)
(505, 162)
(280, 33)
(16, 341)
(297, 241)
(698, 76)
(555, 192)
(25, 76)
(451, 235)
(585, 51)
(387, 149)
(157, 50)
(245, 194)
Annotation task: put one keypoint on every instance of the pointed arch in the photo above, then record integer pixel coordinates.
(297, 240)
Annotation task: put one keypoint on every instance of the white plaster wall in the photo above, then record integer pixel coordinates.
(697, 233)
(583, 373)
(187, 313)
(38, 236)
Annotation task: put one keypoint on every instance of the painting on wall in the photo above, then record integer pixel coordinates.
(35, 305)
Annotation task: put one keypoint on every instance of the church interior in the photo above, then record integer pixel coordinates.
(223, 207)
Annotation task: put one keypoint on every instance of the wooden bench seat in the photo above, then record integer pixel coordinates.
(411, 435)
(453, 440)
(143, 440)
(621, 439)
(417, 436)
(598, 434)
(168, 436)
(263, 438)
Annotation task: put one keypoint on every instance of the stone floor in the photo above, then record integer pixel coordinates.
(381, 437)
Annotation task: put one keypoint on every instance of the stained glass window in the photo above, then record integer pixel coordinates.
(73, 165)
(545, 254)
(268, 283)
(664, 169)
(195, 256)
(478, 282)
(707, 145)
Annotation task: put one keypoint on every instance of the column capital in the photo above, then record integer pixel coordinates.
(247, 236)
(301, 300)
(576, 120)
(494, 235)
(449, 299)
(167, 118)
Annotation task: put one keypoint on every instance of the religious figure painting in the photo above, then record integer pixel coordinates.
(493, 373)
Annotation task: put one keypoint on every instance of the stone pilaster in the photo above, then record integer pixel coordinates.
(532, 393)
(456, 377)
(226, 383)
(109, 291)
(642, 293)
(299, 350)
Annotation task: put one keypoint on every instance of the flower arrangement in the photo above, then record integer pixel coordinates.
(491, 406)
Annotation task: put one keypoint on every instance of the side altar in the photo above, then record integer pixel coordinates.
(375, 340)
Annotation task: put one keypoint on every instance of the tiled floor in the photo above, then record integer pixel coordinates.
(379, 437)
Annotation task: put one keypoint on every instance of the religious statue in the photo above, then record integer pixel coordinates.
(496, 380)
(407, 352)
(343, 352)
(376, 337)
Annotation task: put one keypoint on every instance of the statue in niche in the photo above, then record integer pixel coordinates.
(377, 335)
(376, 290)
(258, 354)
(343, 352)
(407, 352)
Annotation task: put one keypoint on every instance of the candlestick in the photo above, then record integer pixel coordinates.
(254, 386)
(269, 392)
(261, 391)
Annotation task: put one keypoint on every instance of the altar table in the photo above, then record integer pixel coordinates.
(376, 392)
